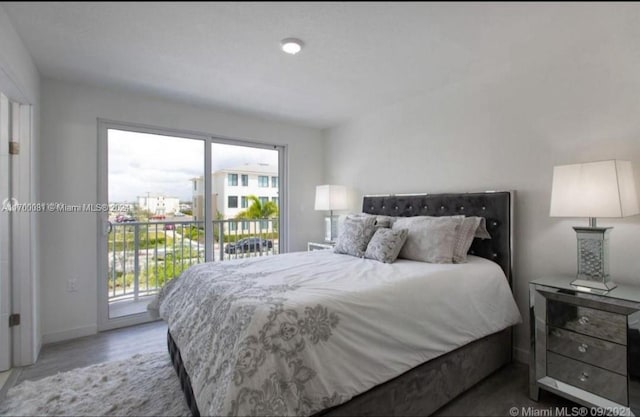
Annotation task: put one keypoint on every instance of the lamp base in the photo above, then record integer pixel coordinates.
(599, 287)
(593, 258)
(330, 229)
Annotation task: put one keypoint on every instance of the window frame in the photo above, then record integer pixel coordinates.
(207, 202)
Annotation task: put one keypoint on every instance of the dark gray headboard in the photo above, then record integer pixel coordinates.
(494, 206)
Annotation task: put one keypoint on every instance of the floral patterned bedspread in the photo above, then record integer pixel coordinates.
(292, 334)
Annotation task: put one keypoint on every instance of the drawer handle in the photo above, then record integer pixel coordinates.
(583, 347)
(584, 320)
(583, 376)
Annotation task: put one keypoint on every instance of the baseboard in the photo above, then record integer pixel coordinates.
(4, 377)
(69, 334)
(11, 378)
(125, 321)
(521, 355)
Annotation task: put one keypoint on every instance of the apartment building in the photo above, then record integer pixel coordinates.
(231, 188)
(159, 204)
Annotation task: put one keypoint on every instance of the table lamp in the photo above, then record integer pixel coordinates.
(331, 197)
(594, 189)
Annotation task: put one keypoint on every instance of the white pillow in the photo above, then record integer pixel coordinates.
(430, 239)
(470, 228)
(482, 231)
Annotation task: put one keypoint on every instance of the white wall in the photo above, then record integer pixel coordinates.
(19, 78)
(506, 131)
(69, 175)
(20, 81)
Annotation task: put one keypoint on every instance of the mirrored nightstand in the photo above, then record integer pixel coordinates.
(320, 246)
(585, 346)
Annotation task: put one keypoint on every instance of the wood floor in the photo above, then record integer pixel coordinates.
(500, 393)
(495, 396)
(103, 347)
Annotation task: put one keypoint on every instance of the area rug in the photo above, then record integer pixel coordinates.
(143, 385)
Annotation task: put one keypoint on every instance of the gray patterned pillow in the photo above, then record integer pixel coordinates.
(385, 245)
(381, 221)
(430, 239)
(384, 221)
(355, 235)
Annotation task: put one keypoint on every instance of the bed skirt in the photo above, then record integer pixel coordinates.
(185, 382)
(418, 392)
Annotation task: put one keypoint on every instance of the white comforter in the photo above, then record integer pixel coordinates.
(296, 333)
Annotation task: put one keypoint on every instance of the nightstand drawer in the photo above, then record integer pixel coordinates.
(590, 378)
(601, 353)
(585, 345)
(592, 322)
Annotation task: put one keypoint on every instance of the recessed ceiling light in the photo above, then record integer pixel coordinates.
(291, 45)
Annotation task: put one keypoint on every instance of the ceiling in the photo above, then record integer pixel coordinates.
(358, 56)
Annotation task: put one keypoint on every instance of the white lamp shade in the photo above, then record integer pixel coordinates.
(594, 189)
(331, 197)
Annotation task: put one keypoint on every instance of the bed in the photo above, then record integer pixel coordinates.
(329, 334)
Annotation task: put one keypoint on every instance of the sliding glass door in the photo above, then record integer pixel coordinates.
(175, 200)
(245, 203)
(151, 236)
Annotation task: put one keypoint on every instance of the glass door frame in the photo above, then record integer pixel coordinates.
(104, 125)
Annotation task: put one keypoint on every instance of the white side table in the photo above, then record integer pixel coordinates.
(320, 246)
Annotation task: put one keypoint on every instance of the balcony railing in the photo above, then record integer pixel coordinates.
(143, 256)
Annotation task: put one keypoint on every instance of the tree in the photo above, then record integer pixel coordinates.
(259, 210)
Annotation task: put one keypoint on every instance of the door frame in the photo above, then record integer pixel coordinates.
(18, 261)
(6, 307)
(103, 125)
(25, 268)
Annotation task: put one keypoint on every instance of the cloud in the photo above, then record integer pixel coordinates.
(141, 163)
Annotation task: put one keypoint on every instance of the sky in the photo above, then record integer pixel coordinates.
(142, 163)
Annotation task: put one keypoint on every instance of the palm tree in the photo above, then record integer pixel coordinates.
(259, 210)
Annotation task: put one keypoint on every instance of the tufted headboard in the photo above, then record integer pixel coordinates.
(496, 207)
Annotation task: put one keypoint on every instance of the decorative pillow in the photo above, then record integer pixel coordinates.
(430, 239)
(355, 236)
(385, 244)
(381, 221)
(384, 221)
